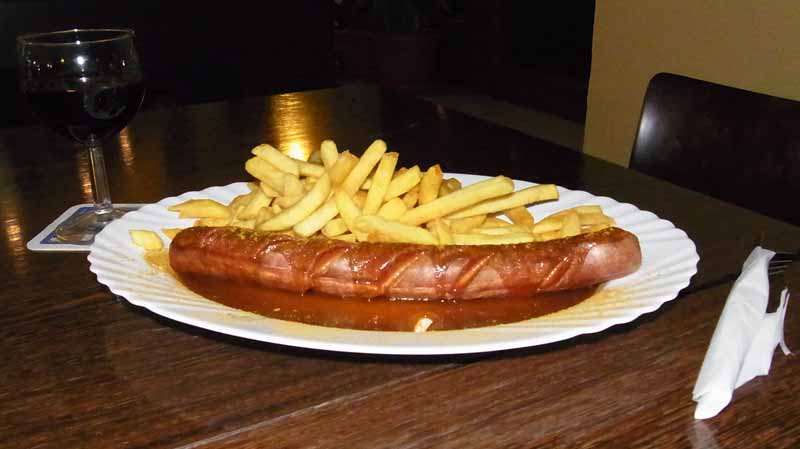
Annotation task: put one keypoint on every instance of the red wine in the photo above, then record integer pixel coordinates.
(92, 113)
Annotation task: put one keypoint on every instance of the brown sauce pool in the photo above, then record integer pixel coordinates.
(382, 314)
(379, 314)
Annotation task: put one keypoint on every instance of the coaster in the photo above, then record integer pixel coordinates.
(47, 240)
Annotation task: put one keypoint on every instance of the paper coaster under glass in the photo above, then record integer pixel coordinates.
(48, 239)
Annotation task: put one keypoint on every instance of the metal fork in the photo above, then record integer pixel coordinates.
(776, 267)
(780, 261)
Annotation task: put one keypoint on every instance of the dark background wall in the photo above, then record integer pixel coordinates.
(536, 54)
(191, 51)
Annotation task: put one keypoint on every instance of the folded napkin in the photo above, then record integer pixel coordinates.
(744, 340)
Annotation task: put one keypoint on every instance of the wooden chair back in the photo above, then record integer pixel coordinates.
(735, 145)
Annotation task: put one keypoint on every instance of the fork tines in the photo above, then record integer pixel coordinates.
(780, 261)
(785, 255)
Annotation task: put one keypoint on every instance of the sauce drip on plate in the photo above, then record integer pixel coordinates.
(377, 314)
(382, 314)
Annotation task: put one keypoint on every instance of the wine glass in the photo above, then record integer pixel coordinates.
(85, 84)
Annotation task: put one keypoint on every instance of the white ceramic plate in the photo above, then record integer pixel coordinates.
(669, 261)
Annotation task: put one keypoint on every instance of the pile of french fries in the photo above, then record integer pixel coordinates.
(370, 198)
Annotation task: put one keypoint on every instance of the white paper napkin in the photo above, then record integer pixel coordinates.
(744, 339)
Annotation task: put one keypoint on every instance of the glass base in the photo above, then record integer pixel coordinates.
(82, 227)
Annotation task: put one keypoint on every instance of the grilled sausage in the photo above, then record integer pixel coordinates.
(401, 270)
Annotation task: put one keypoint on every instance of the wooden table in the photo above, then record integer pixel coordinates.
(82, 368)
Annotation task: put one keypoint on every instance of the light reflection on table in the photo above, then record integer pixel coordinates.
(291, 118)
(12, 220)
(84, 173)
(126, 150)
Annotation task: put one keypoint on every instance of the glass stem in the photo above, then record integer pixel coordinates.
(102, 194)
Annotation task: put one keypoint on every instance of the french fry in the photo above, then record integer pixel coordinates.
(392, 209)
(292, 186)
(583, 210)
(403, 182)
(465, 225)
(380, 183)
(548, 224)
(500, 230)
(423, 324)
(572, 224)
(286, 201)
(279, 160)
(384, 230)
(263, 214)
(411, 197)
(342, 167)
(145, 239)
(240, 201)
(267, 190)
(594, 228)
(595, 219)
(212, 222)
(360, 198)
(460, 199)
(317, 219)
(246, 224)
(328, 153)
(454, 184)
(308, 183)
(200, 208)
(503, 239)
(257, 201)
(430, 184)
(441, 230)
(545, 236)
(349, 212)
(522, 197)
(587, 215)
(315, 158)
(444, 189)
(266, 173)
(287, 218)
(372, 155)
(309, 169)
(171, 232)
(334, 227)
(519, 215)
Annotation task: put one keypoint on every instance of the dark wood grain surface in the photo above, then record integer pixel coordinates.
(82, 368)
